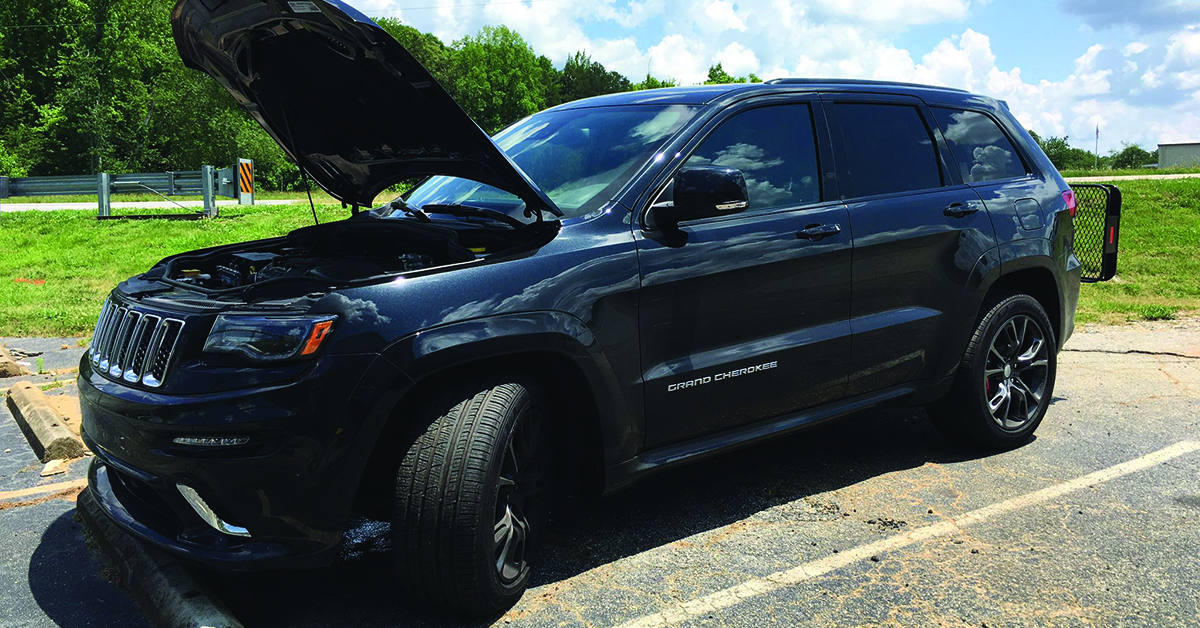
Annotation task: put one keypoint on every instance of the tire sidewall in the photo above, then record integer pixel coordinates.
(990, 325)
(526, 406)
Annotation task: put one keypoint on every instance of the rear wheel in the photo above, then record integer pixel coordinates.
(470, 504)
(1006, 378)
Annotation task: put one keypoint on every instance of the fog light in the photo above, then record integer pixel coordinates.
(207, 441)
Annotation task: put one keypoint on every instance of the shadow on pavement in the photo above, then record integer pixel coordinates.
(65, 581)
(360, 590)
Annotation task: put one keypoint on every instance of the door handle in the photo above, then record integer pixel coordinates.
(817, 232)
(958, 210)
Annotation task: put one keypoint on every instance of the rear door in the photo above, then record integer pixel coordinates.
(742, 317)
(918, 233)
(989, 163)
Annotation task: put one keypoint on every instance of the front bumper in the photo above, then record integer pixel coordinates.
(290, 486)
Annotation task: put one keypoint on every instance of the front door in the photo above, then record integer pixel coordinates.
(746, 317)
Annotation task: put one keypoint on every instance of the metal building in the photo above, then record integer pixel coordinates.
(1178, 154)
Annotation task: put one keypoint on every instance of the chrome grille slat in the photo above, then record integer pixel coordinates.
(99, 340)
(139, 346)
(134, 346)
(124, 338)
(166, 344)
(98, 333)
(155, 347)
(114, 326)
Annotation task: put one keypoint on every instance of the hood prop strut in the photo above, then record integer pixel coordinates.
(287, 126)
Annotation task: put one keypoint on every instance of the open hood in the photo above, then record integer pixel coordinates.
(355, 110)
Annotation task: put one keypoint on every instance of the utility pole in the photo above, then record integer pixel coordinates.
(1097, 146)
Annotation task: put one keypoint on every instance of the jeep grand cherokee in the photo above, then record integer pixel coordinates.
(602, 290)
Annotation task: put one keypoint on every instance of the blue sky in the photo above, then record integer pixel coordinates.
(1064, 66)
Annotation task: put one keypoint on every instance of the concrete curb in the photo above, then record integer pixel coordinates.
(165, 591)
(9, 366)
(43, 426)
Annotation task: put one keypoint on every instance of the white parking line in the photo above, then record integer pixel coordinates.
(762, 586)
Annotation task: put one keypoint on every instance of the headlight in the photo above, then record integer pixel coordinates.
(268, 337)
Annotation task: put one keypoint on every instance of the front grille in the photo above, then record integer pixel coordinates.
(134, 346)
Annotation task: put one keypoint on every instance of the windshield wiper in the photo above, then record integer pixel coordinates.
(409, 210)
(471, 211)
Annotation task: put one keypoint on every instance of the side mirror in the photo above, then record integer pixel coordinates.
(704, 192)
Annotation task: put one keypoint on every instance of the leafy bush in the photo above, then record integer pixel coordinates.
(1158, 312)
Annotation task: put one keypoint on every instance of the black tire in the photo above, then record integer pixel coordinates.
(458, 476)
(992, 367)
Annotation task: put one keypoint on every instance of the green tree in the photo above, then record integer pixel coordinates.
(584, 78)
(497, 77)
(652, 83)
(426, 48)
(718, 76)
(552, 82)
(1066, 157)
(1131, 156)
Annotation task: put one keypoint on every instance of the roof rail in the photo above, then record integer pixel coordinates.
(837, 81)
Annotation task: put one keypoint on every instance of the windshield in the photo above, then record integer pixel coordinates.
(578, 157)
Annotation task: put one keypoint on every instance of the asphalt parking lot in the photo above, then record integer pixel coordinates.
(874, 520)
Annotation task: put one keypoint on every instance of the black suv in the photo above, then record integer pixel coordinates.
(602, 290)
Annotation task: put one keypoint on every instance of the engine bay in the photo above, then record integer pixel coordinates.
(341, 253)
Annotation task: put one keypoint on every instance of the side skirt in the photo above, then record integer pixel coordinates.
(624, 474)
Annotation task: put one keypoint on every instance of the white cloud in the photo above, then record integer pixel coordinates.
(1184, 48)
(1151, 79)
(635, 13)
(898, 14)
(1188, 80)
(737, 59)
(723, 16)
(1140, 100)
(1134, 48)
(679, 58)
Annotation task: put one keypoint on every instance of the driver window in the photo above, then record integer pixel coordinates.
(774, 148)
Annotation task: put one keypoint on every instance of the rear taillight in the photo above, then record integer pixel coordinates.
(1069, 199)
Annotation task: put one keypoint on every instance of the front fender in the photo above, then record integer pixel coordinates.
(429, 352)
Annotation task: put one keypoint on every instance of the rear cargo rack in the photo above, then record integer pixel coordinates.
(1097, 230)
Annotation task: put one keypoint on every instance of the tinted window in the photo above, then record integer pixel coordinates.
(889, 149)
(981, 149)
(775, 149)
(578, 157)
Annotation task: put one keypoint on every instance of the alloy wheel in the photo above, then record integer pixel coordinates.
(518, 498)
(1015, 371)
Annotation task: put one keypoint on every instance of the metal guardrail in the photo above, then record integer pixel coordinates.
(236, 181)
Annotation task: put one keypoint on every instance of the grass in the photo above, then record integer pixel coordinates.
(1158, 267)
(56, 267)
(80, 259)
(1128, 172)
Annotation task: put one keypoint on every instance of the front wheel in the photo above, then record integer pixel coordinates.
(1005, 380)
(470, 504)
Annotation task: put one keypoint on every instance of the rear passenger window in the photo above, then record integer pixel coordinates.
(775, 148)
(980, 148)
(889, 149)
